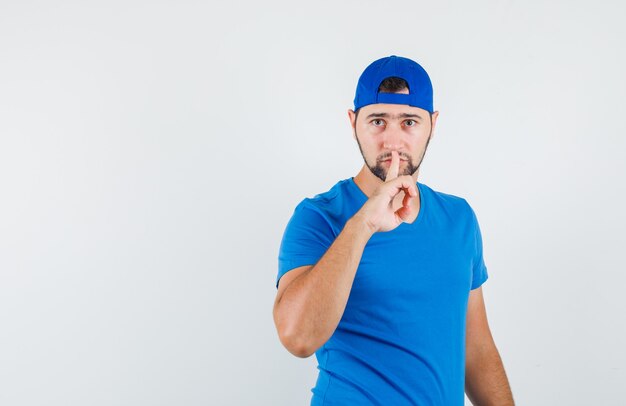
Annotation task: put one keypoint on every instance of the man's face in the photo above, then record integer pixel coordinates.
(382, 128)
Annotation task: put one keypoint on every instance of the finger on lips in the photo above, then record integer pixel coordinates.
(394, 167)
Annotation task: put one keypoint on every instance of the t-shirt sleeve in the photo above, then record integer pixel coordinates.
(479, 269)
(306, 238)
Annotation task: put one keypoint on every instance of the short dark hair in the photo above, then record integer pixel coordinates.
(392, 84)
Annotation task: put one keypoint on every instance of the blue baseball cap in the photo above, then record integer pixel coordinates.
(420, 88)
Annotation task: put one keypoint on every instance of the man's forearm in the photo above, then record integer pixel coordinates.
(311, 307)
(486, 383)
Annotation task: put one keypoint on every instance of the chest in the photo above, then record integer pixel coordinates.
(410, 270)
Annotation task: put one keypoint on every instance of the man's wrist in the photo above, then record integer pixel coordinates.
(361, 225)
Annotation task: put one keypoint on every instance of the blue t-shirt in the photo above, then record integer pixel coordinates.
(401, 339)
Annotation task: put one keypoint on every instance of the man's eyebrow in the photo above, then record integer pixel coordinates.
(401, 115)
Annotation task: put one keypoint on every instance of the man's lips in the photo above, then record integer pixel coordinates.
(387, 161)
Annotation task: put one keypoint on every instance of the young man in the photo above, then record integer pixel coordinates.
(381, 275)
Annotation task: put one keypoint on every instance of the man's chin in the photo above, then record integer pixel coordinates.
(381, 173)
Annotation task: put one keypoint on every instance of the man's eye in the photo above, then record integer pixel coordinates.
(378, 122)
(410, 123)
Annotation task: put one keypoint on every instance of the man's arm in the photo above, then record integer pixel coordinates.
(485, 379)
(310, 300)
(309, 305)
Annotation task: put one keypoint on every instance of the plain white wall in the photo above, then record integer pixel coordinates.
(151, 154)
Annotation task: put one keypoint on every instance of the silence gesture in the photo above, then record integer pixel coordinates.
(378, 210)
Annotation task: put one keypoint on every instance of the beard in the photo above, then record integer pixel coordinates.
(381, 172)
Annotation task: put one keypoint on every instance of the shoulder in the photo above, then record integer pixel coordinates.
(328, 203)
(446, 201)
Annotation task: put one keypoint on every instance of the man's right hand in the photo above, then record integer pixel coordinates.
(378, 211)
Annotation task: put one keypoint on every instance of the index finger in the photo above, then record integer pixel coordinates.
(394, 167)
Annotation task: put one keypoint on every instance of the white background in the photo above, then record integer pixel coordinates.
(151, 154)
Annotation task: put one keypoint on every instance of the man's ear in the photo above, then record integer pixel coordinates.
(352, 117)
(434, 122)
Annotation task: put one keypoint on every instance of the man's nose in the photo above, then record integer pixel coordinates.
(393, 139)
